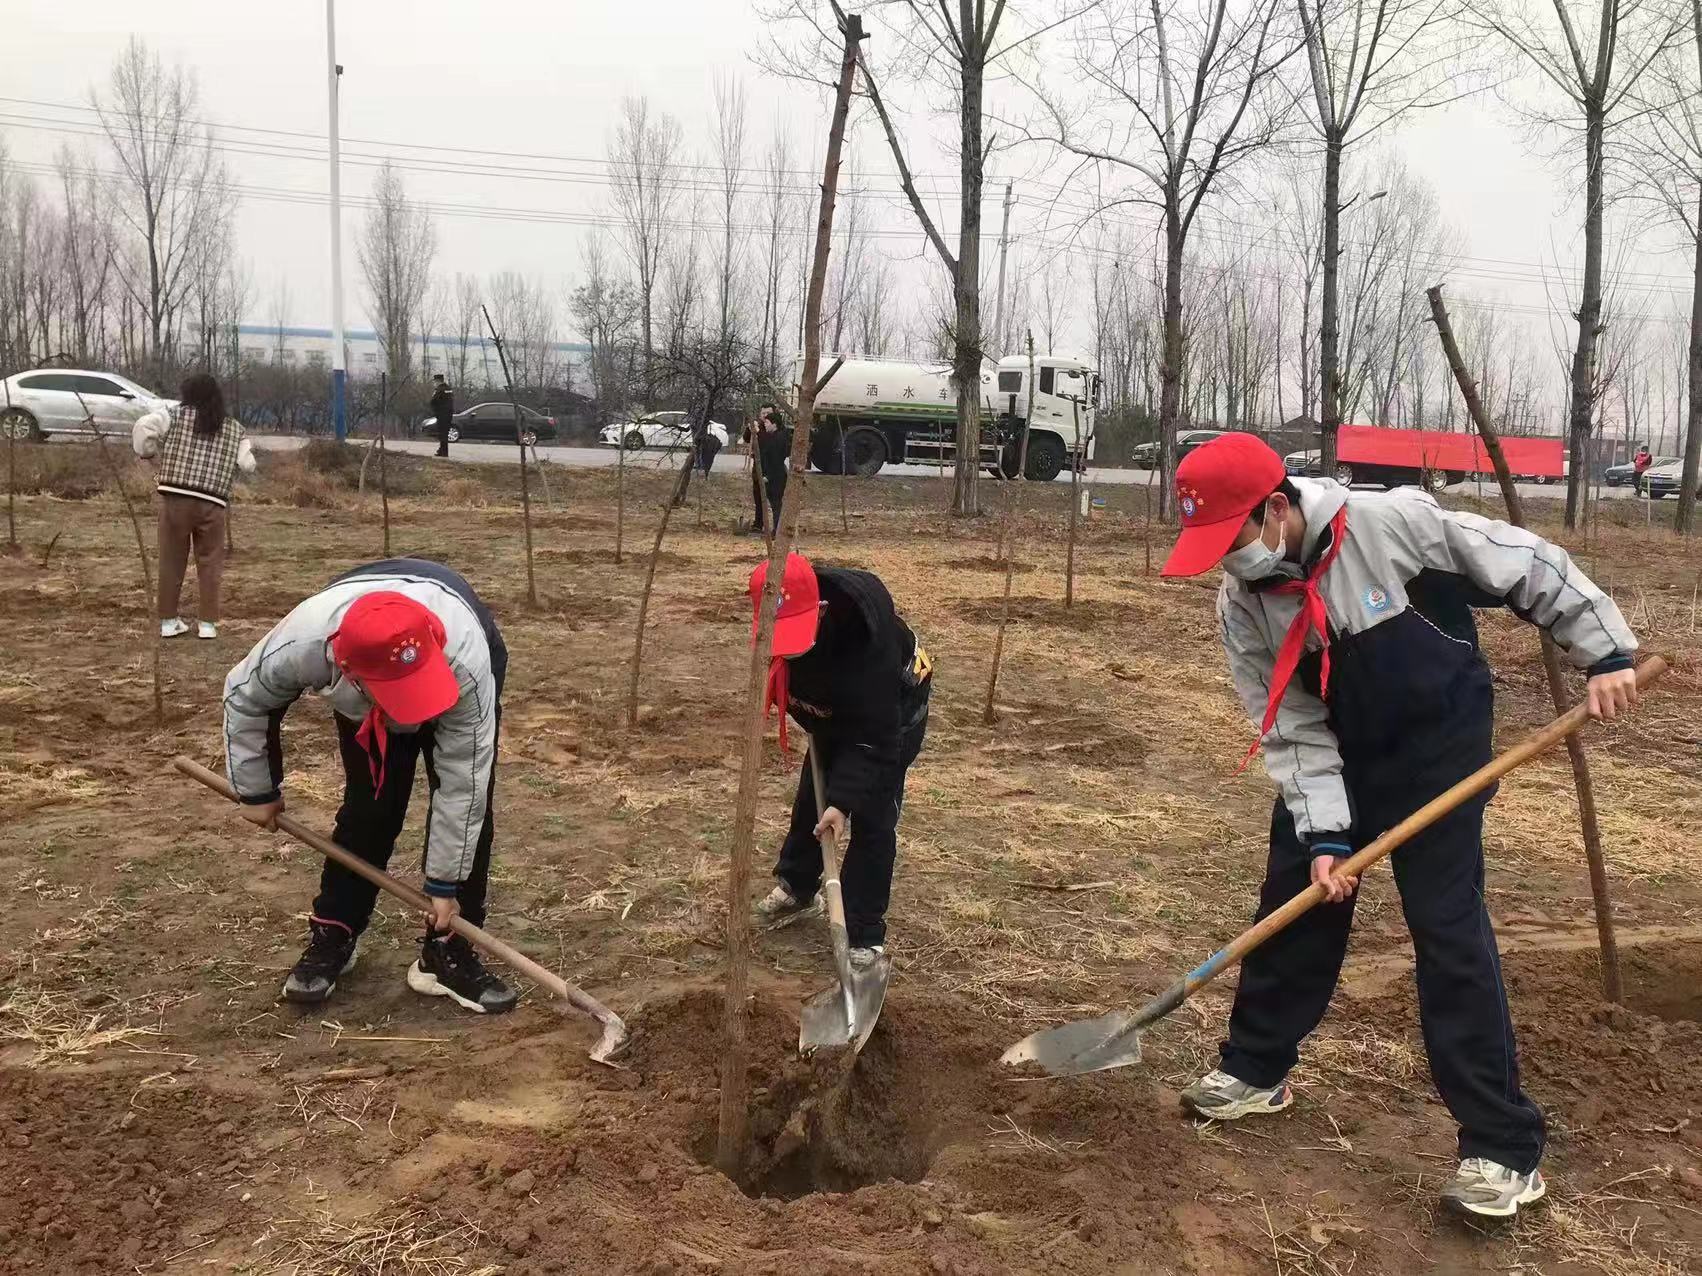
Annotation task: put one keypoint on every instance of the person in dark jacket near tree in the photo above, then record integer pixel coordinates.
(443, 407)
(854, 675)
(1347, 621)
(771, 454)
(412, 665)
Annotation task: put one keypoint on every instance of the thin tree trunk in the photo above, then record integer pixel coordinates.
(676, 498)
(549, 501)
(1170, 370)
(1589, 315)
(1075, 506)
(383, 467)
(154, 638)
(733, 1126)
(620, 497)
(1329, 333)
(1599, 888)
(1684, 521)
(966, 360)
(11, 476)
(525, 478)
(1007, 538)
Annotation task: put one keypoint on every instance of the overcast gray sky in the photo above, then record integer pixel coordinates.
(545, 79)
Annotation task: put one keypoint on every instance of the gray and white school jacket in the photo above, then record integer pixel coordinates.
(295, 658)
(1399, 596)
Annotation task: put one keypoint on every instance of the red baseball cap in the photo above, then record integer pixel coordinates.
(799, 616)
(393, 646)
(1217, 487)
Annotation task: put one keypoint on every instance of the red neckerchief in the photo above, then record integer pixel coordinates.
(1313, 615)
(779, 694)
(373, 731)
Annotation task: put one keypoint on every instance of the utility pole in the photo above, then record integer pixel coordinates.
(999, 305)
(339, 372)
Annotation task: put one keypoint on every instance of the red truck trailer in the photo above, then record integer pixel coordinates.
(1436, 459)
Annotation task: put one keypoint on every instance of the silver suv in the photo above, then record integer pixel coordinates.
(36, 404)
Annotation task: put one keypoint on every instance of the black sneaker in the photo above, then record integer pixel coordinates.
(330, 952)
(451, 968)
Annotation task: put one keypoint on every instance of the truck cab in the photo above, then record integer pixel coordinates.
(1059, 410)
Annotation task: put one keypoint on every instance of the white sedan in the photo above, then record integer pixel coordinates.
(671, 430)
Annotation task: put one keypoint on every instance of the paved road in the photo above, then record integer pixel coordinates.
(733, 463)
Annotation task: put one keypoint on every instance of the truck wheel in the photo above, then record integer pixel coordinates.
(1344, 474)
(865, 451)
(824, 452)
(1046, 457)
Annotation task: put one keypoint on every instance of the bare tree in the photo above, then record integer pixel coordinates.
(605, 311)
(171, 185)
(953, 45)
(525, 315)
(1592, 56)
(1668, 150)
(395, 248)
(778, 211)
(464, 309)
(643, 152)
(1370, 62)
(1179, 96)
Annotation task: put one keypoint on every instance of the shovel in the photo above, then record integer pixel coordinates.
(845, 1013)
(1114, 1040)
(614, 1031)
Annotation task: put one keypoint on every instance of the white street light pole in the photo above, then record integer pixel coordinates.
(339, 371)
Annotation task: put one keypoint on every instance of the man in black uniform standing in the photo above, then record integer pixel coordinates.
(443, 407)
(771, 453)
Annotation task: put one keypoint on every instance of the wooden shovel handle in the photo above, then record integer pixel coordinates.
(474, 935)
(830, 884)
(1417, 822)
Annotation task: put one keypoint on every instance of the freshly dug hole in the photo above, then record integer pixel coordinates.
(816, 1125)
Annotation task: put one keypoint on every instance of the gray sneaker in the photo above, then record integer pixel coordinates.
(780, 904)
(1217, 1096)
(1487, 1189)
(864, 958)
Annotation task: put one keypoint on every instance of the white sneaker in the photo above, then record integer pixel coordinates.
(173, 628)
(206, 629)
(1217, 1096)
(1488, 1189)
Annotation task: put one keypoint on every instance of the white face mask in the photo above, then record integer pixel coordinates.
(1256, 560)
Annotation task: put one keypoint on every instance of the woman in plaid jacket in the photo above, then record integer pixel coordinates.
(199, 450)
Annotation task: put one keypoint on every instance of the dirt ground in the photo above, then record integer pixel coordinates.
(161, 1110)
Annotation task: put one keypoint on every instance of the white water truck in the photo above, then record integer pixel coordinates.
(875, 411)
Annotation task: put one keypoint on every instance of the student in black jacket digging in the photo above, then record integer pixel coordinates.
(852, 673)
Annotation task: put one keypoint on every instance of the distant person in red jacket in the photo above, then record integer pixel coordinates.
(1642, 460)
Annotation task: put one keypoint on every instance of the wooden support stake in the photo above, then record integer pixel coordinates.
(733, 1128)
(1007, 538)
(1612, 987)
(525, 478)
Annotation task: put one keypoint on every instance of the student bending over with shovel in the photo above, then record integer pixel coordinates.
(412, 664)
(855, 677)
(1347, 619)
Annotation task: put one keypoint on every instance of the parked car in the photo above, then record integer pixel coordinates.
(1661, 479)
(494, 422)
(1145, 455)
(671, 430)
(45, 401)
(1309, 464)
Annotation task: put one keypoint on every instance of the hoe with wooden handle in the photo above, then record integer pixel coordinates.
(1114, 1040)
(614, 1031)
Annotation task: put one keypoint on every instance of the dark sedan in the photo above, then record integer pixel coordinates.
(494, 423)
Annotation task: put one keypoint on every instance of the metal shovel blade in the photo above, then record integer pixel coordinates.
(1091, 1045)
(831, 1018)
